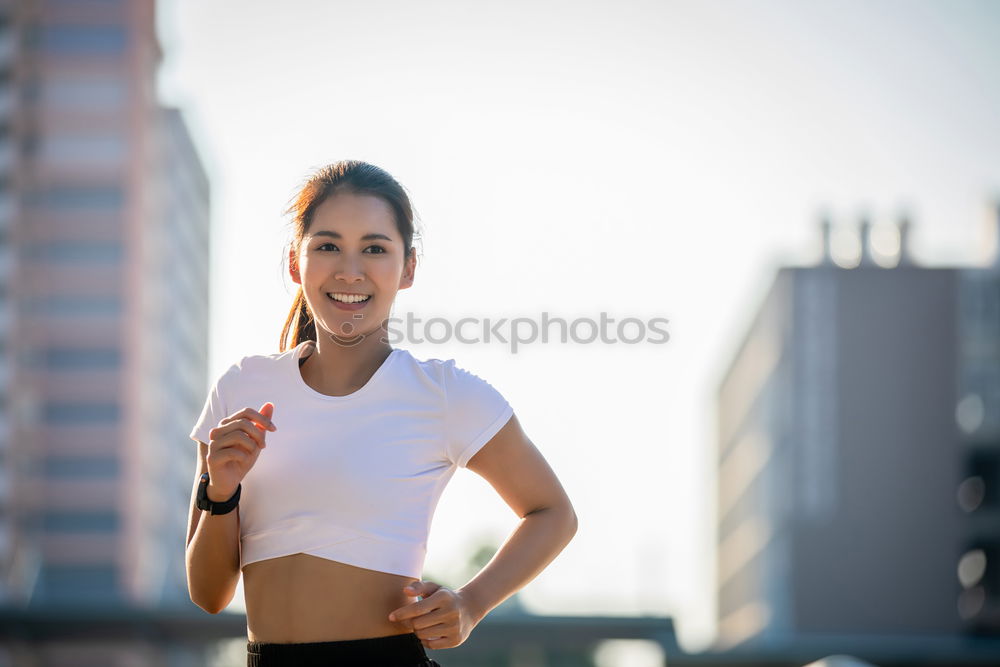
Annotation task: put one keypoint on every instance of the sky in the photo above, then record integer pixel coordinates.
(637, 159)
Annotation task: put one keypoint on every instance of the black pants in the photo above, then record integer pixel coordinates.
(403, 650)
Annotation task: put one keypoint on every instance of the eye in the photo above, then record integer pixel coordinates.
(380, 249)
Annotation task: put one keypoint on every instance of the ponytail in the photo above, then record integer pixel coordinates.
(299, 326)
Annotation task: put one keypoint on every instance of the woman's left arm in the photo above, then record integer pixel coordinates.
(513, 466)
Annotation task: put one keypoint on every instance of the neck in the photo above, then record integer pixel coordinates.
(338, 369)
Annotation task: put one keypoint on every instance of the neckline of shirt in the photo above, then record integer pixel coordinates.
(300, 382)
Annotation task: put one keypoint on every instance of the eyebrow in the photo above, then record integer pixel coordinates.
(366, 237)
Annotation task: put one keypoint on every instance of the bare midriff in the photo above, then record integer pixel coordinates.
(304, 598)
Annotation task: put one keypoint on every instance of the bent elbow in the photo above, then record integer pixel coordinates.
(570, 512)
(210, 607)
(569, 519)
(202, 604)
(212, 601)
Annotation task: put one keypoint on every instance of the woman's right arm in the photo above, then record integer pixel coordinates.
(213, 548)
(213, 543)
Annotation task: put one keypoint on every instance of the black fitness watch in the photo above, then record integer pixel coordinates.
(212, 507)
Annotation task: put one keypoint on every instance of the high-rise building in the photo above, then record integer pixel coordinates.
(103, 262)
(978, 416)
(841, 460)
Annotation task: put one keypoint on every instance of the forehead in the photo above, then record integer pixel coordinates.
(348, 209)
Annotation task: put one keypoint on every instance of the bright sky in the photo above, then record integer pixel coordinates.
(641, 159)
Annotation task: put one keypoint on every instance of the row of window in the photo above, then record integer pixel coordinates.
(78, 252)
(90, 149)
(97, 412)
(81, 521)
(61, 305)
(71, 198)
(90, 92)
(74, 306)
(86, 40)
(81, 467)
(86, 584)
(78, 358)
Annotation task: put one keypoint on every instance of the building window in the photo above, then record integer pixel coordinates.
(86, 467)
(86, 584)
(80, 150)
(89, 4)
(87, 93)
(75, 198)
(106, 521)
(74, 40)
(982, 486)
(83, 252)
(81, 358)
(63, 414)
(63, 305)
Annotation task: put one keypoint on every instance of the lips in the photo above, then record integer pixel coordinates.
(349, 306)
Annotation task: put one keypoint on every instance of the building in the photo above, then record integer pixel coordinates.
(841, 460)
(104, 212)
(978, 416)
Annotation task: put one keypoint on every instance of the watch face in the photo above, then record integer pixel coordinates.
(202, 500)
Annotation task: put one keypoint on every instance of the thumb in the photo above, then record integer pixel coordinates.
(267, 409)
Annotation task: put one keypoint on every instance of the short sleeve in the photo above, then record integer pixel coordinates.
(214, 410)
(475, 412)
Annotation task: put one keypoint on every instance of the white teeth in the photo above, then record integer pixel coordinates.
(348, 298)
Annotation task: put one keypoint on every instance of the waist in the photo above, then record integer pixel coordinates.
(305, 598)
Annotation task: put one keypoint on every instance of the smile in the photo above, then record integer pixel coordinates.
(348, 298)
(349, 301)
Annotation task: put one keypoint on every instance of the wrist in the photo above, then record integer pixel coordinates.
(217, 495)
(216, 502)
(472, 603)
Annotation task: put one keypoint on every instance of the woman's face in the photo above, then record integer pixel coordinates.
(352, 247)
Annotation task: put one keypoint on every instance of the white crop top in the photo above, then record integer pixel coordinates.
(353, 478)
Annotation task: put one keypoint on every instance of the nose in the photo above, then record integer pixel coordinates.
(349, 270)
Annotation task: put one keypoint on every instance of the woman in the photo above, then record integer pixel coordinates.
(329, 526)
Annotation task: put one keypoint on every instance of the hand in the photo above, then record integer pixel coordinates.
(234, 447)
(443, 618)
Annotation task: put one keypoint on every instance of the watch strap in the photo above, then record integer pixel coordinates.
(224, 507)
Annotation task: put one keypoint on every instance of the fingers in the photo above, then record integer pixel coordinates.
(432, 621)
(230, 425)
(241, 434)
(262, 421)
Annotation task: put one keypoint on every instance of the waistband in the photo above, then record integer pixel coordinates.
(402, 648)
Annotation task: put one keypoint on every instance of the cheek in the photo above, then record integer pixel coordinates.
(310, 270)
(385, 276)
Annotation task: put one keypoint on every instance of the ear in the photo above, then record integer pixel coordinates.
(409, 269)
(293, 267)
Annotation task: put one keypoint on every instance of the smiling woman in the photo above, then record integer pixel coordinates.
(354, 258)
(329, 527)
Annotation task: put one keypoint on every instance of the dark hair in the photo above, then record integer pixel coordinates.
(351, 176)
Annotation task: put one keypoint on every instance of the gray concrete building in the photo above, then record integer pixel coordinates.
(978, 417)
(841, 457)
